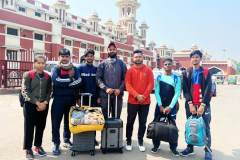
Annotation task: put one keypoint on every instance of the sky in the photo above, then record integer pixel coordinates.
(213, 25)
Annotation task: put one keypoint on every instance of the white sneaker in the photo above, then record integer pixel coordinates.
(141, 148)
(128, 147)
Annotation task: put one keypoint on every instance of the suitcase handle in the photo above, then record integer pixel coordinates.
(86, 94)
(116, 100)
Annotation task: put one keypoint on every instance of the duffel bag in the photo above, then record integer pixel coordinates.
(163, 130)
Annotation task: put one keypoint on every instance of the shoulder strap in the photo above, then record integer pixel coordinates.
(159, 77)
(31, 74)
(58, 70)
(175, 79)
(46, 75)
(205, 72)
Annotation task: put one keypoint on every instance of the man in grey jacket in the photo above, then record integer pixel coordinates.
(110, 78)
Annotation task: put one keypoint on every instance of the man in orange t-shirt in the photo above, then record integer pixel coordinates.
(139, 83)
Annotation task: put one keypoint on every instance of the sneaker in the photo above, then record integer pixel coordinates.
(175, 153)
(208, 156)
(39, 151)
(56, 150)
(128, 147)
(154, 150)
(29, 154)
(67, 144)
(187, 152)
(141, 148)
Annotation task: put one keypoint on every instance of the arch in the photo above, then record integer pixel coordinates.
(129, 11)
(216, 70)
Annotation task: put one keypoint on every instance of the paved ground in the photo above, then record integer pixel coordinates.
(225, 132)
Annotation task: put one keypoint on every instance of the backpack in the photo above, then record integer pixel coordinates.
(195, 131)
(31, 74)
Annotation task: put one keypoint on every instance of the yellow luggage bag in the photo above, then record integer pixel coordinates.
(96, 114)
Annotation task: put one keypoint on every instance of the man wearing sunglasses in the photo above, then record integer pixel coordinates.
(167, 92)
(110, 78)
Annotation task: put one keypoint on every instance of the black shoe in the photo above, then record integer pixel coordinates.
(67, 144)
(175, 152)
(187, 152)
(56, 150)
(154, 150)
(29, 154)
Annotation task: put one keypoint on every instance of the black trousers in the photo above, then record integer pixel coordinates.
(104, 106)
(33, 120)
(132, 111)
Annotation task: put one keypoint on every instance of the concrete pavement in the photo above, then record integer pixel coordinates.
(225, 132)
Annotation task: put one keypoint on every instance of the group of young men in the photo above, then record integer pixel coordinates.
(111, 78)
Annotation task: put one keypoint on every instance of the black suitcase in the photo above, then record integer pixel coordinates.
(164, 130)
(112, 134)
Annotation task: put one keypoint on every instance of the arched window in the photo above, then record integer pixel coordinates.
(129, 10)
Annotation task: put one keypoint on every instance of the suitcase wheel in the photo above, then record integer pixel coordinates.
(120, 150)
(92, 153)
(73, 154)
(104, 151)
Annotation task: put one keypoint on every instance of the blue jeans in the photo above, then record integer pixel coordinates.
(157, 116)
(207, 119)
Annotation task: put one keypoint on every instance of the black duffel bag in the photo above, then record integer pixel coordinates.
(163, 130)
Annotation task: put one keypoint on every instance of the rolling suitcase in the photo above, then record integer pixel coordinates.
(85, 141)
(112, 134)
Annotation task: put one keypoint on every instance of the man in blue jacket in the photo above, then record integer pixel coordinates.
(66, 81)
(110, 78)
(87, 73)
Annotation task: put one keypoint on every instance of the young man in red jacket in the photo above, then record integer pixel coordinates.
(139, 83)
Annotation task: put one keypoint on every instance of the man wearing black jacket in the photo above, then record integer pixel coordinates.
(110, 78)
(197, 85)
